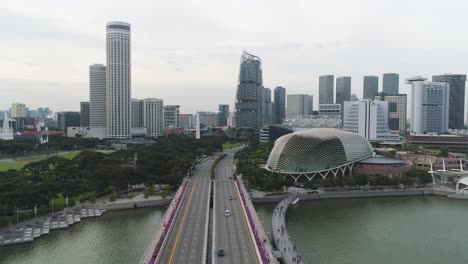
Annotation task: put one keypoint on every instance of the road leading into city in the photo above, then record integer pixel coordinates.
(185, 242)
(231, 232)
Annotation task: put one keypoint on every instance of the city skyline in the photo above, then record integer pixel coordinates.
(31, 74)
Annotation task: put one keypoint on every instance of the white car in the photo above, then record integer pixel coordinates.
(227, 213)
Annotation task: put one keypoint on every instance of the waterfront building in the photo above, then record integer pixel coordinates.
(118, 85)
(299, 104)
(171, 116)
(67, 119)
(396, 111)
(369, 119)
(456, 98)
(391, 83)
(326, 84)
(429, 106)
(371, 87)
(223, 114)
(280, 105)
(84, 114)
(249, 96)
(153, 117)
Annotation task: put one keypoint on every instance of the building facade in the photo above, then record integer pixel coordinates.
(171, 116)
(391, 83)
(268, 107)
(429, 106)
(67, 119)
(118, 76)
(208, 118)
(456, 98)
(329, 110)
(299, 104)
(249, 97)
(343, 90)
(280, 105)
(137, 113)
(223, 114)
(18, 110)
(186, 120)
(97, 96)
(371, 87)
(153, 117)
(397, 105)
(326, 84)
(84, 114)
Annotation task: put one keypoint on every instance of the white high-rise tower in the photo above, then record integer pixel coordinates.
(118, 80)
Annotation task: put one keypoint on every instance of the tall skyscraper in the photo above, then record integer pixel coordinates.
(18, 110)
(268, 110)
(367, 118)
(343, 90)
(97, 100)
(371, 87)
(396, 112)
(280, 105)
(84, 114)
(429, 106)
(456, 98)
(249, 98)
(223, 114)
(171, 116)
(137, 113)
(299, 104)
(326, 84)
(118, 80)
(153, 117)
(391, 83)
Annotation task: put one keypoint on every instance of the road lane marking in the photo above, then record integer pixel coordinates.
(182, 224)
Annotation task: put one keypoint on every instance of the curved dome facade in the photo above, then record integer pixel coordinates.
(316, 150)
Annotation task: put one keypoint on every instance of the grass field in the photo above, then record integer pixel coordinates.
(18, 164)
(230, 145)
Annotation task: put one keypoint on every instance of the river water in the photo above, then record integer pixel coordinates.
(393, 230)
(118, 237)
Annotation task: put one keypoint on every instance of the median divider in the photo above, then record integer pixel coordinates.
(215, 163)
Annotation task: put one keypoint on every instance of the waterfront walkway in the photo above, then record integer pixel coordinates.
(289, 252)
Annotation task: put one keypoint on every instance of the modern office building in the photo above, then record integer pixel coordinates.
(429, 106)
(118, 86)
(153, 117)
(343, 89)
(186, 120)
(67, 119)
(456, 98)
(171, 116)
(326, 84)
(208, 118)
(97, 96)
(329, 110)
(313, 121)
(397, 105)
(223, 114)
(369, 119)
(371, 87)
(18, 110)
(299, 104)
(280, 105)
(268, 107)
(137, 113)
(391, 83)
(249, 97)
(271, 133)
(84, 114)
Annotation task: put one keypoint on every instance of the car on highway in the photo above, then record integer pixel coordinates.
(220, 252)
(227, 212)
(231, 198)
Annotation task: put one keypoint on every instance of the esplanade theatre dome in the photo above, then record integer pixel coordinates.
(317, 150)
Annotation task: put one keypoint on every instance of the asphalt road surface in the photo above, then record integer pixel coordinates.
(185, 241)
(232, 234)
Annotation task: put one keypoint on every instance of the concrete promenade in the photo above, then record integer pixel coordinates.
(289, 252)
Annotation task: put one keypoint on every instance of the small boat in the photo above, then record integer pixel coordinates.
(295, 201)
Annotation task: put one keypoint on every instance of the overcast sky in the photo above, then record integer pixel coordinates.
(188, 52)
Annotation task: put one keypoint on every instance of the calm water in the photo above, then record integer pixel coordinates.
(379, 230)
(118, 237)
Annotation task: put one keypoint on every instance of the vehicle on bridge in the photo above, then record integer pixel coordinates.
(227, 212)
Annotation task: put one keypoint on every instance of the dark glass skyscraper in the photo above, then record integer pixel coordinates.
(371, 87)
(326, 83)
(223, 114)
(391, 84)
(343, 90)
(456, 98)
(249, 97)
(280, 105)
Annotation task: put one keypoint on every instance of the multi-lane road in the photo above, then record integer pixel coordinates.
(188, 237)
(231, 232)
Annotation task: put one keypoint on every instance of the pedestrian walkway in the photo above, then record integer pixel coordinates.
(283, 241)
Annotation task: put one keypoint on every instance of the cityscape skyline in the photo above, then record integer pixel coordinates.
(31, 79)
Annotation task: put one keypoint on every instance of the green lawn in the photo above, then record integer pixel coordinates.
(229, 145)
(18, 164)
